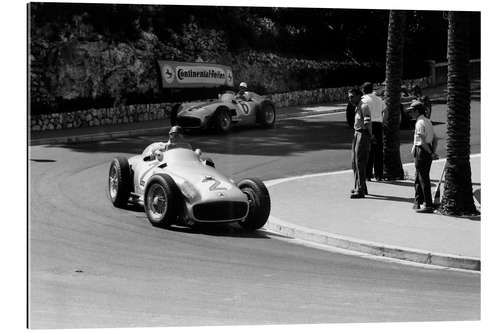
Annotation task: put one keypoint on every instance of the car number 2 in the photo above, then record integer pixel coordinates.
(215, 185)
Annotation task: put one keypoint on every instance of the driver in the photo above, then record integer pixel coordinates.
(175, 140)
(243, 92)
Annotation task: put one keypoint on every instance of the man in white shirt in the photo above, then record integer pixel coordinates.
(377, 107)
(423, 151)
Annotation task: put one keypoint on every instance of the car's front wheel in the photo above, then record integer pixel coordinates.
(259, 203)
(119, 181)
(267, 115)
(162, 200)
(222, 121)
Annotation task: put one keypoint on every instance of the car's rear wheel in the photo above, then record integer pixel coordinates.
(222, 121)
(259, 203)
(119, 181)
(162, 200)
(267, 115)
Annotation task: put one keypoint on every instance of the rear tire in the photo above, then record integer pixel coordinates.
(259, 203)
(119, 181)
(162, 200)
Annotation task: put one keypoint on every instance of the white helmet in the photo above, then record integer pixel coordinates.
(243, 85)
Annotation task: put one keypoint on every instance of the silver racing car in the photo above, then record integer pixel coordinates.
(226, 111)
(178, 186)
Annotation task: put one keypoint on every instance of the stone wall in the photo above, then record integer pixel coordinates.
(144, 112)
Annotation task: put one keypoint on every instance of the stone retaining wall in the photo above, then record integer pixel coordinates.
(145, 112)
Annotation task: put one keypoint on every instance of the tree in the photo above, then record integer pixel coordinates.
(457, 194)
(393, 169)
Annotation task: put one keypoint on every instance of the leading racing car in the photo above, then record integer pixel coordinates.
(178, 186)
(226, 111)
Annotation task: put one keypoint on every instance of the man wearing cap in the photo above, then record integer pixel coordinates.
(176, 139)
(424, 152)
(243, 93)
(377, 107)
(360, 143)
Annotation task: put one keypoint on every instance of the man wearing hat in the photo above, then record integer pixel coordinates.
(176, 139)
(423, 152)
(243, 93)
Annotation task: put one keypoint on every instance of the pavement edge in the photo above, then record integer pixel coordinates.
(367, 247)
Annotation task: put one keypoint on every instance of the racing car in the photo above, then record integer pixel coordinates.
(226, 111)
(180, 187)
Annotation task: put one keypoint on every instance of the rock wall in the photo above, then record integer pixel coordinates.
(144, 112)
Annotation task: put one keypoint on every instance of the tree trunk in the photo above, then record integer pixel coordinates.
(393, 169)
(457, 194)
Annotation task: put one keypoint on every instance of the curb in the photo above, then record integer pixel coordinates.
(153, 131)
(364, 246)
(377, 249)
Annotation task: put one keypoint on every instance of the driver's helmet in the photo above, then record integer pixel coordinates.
(243, 85)
(175, 129)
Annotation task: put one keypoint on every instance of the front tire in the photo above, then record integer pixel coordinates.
(162, 200)
(267, 115)
(119, 182)
(222, 121)
(259, 203)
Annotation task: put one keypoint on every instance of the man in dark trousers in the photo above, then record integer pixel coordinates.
(423, 151)
(377, 107)
(360, 143)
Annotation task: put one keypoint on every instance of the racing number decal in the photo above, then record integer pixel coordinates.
(244, 107)
(215, 185)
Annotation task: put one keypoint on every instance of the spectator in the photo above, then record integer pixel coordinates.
(360, 143)
(377, 108)
(424, 152)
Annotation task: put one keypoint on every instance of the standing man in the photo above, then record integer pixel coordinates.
(360, 143)
(424, 151)
(377, 107)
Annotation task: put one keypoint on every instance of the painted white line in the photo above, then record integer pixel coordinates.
(273, 182)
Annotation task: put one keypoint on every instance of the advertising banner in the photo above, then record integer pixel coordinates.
(176, 74)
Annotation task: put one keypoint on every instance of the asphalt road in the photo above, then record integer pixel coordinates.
(92, 265)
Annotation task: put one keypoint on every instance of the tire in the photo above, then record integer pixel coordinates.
(266, 116)
(222, 120)
(209, 162)
(259, 203)
(162, 188)
(119, 182)
(350, 112)
(173, 114)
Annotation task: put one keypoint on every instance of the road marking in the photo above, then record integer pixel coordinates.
(273, 182)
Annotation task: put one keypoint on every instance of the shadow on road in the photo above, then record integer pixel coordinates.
(292, 136)
(218, 230)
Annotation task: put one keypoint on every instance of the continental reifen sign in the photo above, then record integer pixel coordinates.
(176, 74)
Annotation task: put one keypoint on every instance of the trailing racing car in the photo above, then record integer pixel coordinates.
(226, 111)
(179, 187)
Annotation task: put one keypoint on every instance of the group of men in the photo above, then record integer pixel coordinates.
(367, 146)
